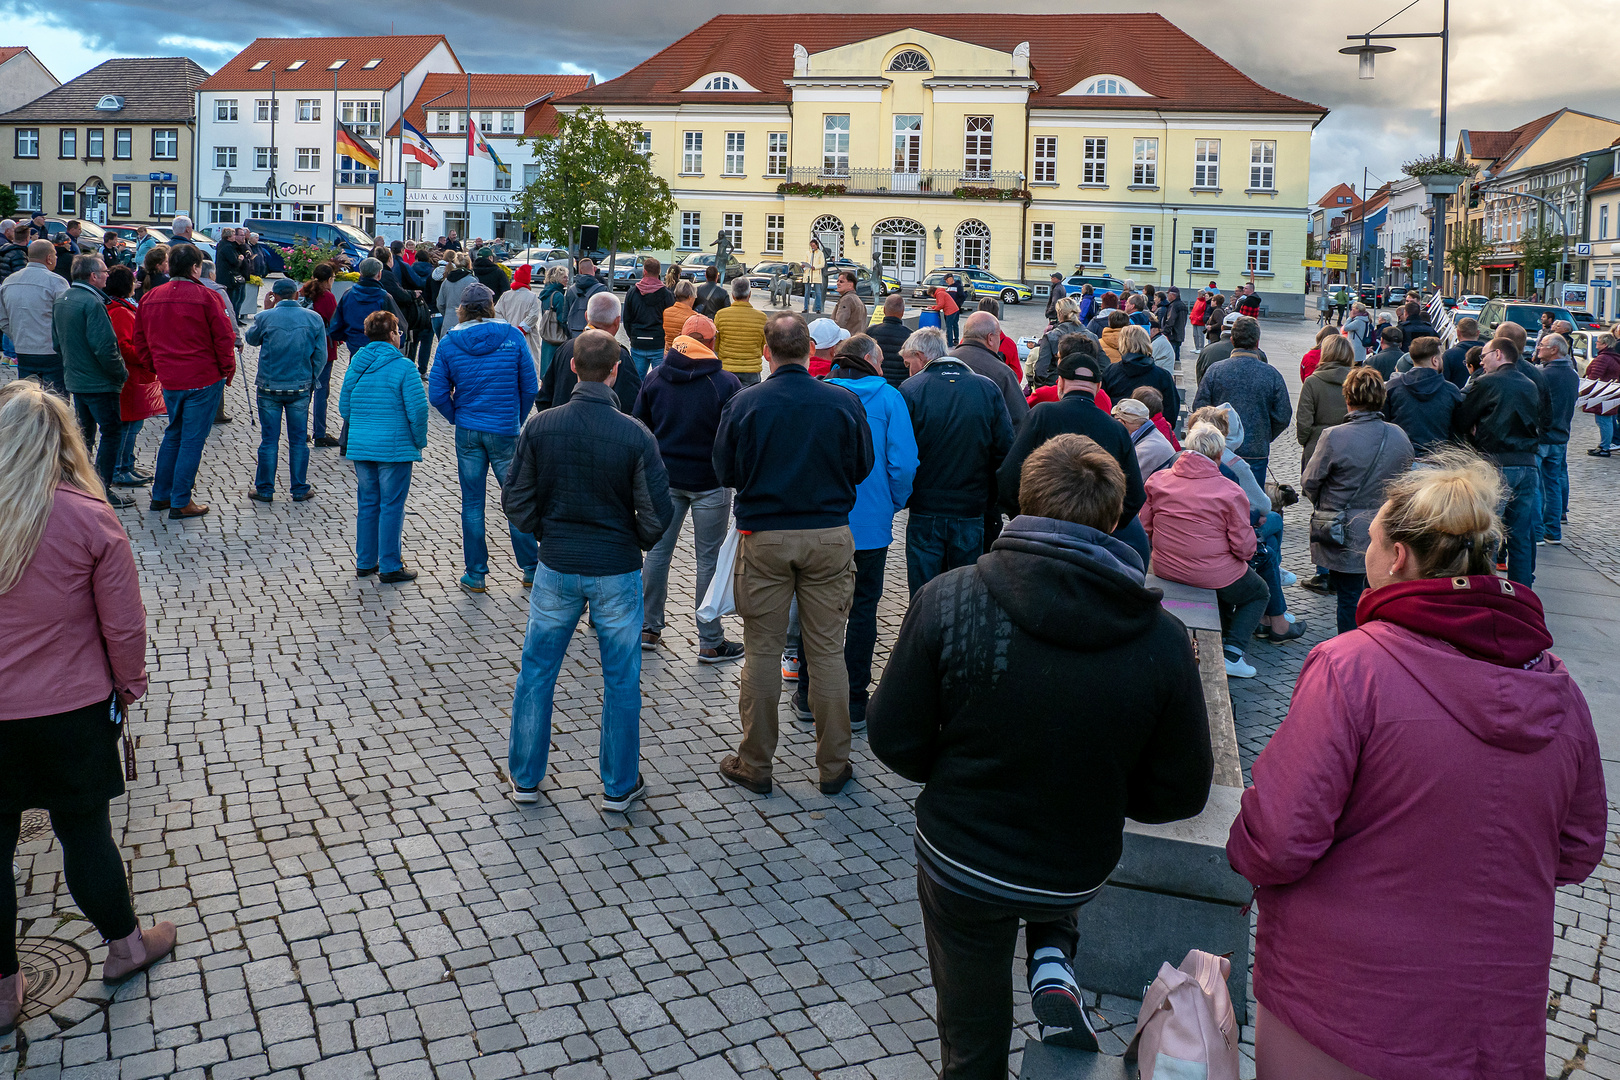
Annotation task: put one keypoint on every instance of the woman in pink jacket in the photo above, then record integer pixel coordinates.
(72, 657)
(1437, 776)
(1199, 523)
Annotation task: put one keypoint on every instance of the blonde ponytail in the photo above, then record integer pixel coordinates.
(1445, 513)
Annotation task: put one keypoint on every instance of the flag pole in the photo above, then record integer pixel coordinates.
(335, 117)
(466, 187)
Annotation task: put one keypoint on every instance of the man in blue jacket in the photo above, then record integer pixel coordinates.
(484, 384)
(794, 448)
(348, 325)
(292, 351)
(588, 481)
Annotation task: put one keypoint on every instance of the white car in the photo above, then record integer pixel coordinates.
(1469, 306)
(542, 259)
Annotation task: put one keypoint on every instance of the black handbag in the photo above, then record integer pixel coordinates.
(1332, 527)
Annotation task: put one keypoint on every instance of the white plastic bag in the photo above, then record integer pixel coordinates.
(721, 599)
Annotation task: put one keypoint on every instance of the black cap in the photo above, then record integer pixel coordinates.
(1080, 365)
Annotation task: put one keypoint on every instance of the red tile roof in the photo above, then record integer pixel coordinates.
(1611, 184)
(1331, 199)
(1489, 145)
(1523, 136)
(398, 53)
(496, 92)
(1147, 49)
(8, 51)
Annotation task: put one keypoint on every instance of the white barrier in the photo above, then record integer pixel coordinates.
(1440, 318)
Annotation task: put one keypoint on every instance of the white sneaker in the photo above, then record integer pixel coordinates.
(525, 795)
(624, 802)
(1238, 668)
(1290, 578)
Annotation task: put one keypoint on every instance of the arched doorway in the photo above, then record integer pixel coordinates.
(973, 244)
(900, 244)
(830, 231)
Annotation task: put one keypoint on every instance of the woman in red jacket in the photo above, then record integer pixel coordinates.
(1436, 778)
(1605, 367)
(316, 295)
(142, 396)
(1311, 359)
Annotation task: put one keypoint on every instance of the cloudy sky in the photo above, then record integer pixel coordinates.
(1507, 66)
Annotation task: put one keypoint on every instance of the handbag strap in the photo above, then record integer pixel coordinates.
(1350, 504)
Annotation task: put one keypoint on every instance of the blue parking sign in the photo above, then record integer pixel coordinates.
(1541, 279)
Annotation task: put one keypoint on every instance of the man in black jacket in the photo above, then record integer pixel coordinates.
(891, 335)
(711, 295)
(1454, 361)
(1075, 412)
(1173, 320)
(644, 305)
(963, 434)
(589, 483)
(602, 313)
(489, 274)
(1501, 417)
(232, 273)
(1563, 387)
(1414, 324)
(794, 448)
(1025, 795)
(1389, 356)
(980, 350)
(1420, 401)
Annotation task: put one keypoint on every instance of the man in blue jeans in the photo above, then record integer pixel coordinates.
(588, 480)
(1563, 387)
(1500, 416)
(484, 384)
(292, 350)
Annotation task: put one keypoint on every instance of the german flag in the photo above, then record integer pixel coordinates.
(354, 146)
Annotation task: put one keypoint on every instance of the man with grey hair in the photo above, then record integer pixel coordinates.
(601, 313)
(739, 333)
(348, 325)
(980, 350)
(92, 366)
(180, 231)
(26, 299)
(1552, 452)
(963, 432)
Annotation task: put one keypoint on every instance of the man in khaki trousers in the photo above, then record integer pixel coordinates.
(794, 448)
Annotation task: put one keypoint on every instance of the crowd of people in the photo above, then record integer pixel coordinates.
(1042, 497)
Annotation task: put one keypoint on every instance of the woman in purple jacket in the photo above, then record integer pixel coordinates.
(1436, 778)
(72, 651)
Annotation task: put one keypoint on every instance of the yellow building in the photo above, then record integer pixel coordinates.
(1110, 145)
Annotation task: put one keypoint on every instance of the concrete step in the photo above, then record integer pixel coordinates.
(1043, 1062)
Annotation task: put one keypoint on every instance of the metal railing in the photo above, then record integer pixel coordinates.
(938, 182)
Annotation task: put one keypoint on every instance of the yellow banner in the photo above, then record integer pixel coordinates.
(1311, 262)
(1338, 262)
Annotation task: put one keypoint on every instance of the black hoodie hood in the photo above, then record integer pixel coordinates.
(1069, 585)
(457, 274)
(1423, 382)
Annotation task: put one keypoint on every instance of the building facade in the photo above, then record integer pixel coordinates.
(116, 145)
(474, 198)
(267, 126)
(1355, 236)
(1404, 234)
(1022, 145)
(22, 77)
(1603, 241)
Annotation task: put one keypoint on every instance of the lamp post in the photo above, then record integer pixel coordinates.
(1367, 52)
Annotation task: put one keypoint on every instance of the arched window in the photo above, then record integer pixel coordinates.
(1106, 85)
(973, 244)
(909, 60)
(721, 82)
(830, 231)
(897, 226)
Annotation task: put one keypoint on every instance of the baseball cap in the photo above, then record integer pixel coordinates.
(284, 286)
(1231, 317)
(1079, 365)
(698, 325)
(826, 333)
(476, 295)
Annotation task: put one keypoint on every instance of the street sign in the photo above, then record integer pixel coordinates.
(1583, 249)
(1337, 262)
(1541, 278)
(390, 203)
(1599, 283)
(1317, 263)
(1185, 251)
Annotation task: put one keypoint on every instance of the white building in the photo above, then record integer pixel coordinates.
(1406, 221)
(267, 125)
(474, 199)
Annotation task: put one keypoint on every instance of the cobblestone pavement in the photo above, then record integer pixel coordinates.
(321, 810)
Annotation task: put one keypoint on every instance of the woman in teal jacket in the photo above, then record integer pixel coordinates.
(385, 414)
(553, 298)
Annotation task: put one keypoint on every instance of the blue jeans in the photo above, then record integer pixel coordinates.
(380, 517)
(47, 368)
(953, 327)
(270, 410)
(809, 291)
(1270, 558)
(191, 418)
(1348, 588)
(323, 391)
(555, 605)
(479, 452)
(711, 514)
(1554, 461)
(935, 544)
(645, 360)
(1521, 517)
(1258, 466)
(98, 413)
(1605, 426)
(125, 469)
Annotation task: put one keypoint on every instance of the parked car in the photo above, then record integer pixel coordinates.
(1527, 315)
(694, 266)
(90, 234)
(1369, 293)
(982, 282)
(626, 269)
(540, 259)
(348, 239)
(1100, 283)
(863, 279)
(1583, 348)
(1470, 305)
(1397, 296)
(1584, 320)
(763, 273)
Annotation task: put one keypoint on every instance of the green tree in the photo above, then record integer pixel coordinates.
(1413, 251)
(1313, 248)
(1541, 248)
(590, 172)
(1467, 254)
(8, 202)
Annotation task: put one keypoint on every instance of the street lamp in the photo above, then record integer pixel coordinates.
(1366, 51)
(939, 236)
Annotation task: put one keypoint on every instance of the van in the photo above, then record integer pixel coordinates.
(348, 239)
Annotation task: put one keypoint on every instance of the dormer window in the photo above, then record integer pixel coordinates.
(910, 60)
(334, 65)
(722, 81)
(369, 64)
(110, 103)
(1106, 86)
(260, 65)
(295, 65)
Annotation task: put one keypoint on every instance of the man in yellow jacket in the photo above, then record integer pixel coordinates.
(740, 335)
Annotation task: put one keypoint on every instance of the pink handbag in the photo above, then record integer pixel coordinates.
(1187, 1029)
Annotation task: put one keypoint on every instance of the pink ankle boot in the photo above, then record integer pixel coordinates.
(13, 988)
(141, 949)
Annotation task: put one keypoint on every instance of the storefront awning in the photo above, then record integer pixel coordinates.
(1499, 265)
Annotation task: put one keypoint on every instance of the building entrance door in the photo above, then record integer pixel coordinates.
(900, 246)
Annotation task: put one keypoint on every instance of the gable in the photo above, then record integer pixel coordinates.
(946, 56)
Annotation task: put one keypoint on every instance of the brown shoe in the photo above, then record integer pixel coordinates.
(13, 988)
(190, 510)
(836, 784)
(137, 952)
(732, 770)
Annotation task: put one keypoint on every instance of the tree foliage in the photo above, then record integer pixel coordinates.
(8, 202)
(591, 173)
(1467, 252)
(1541, 248)
(1413, 252)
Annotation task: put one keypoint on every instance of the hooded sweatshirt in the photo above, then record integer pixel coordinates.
(1436, 777)
(644, 313)
(1138, 369)
(1421, 403)
(1321, 406)
(894, 461)
(1026, 789)
(1198, 521)
(1258, 499)
(680, 403)
(455, 283)
(484, 379)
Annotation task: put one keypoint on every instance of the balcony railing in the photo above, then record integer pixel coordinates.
(934, 182)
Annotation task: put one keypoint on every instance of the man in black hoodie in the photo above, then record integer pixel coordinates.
(1501, 417)
(644, 306)
(1415, 325)
(489, 274)
(1454, 361)
(1026, 789)
(891, 334)
(1420, 401)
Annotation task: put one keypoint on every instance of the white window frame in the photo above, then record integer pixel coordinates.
(1142, 243)
(30, 194)
(224, 157)
(123, 144)
(264, 109)
(978, 145)
(1145, 162)
(26, 143)
(732, 225)
(308, 160)
(775, 232)
(1263, 165)
(691, 230)
(67, 198)
(170, 137)
(458, 176)
(67, 143)
(95, 143)
(165, 200)
(265, 159)
(736, 144)
(413, 174)
(1203, 249)
(1259, 250)
(642, 143)
(1603, 222)
(309, 110)
(1094, 162)
(121, 198)
(776, 153)
(508, 122)
(1046, 159)
(692, 153)
(1207, 164)
(486, 120)
(443, 121)
(225, 110)
(1091, 245)
(1042, 235)
(835, 144)
(362, 116)
(225, 213)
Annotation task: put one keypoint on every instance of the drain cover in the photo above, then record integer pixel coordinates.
(35, 824)
(55, 970)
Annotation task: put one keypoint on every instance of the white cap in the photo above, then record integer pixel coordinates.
(1231, 317)
(826, 333)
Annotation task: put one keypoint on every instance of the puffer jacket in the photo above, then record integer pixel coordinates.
(1138, 369)
(349, 324)
(483, 379)
(740, 337)
(455, 283)
(675, 317)
(1109, 340)
(1321, 406)
(142, 396)
(13, 257)
(894, 455)
(383, 401)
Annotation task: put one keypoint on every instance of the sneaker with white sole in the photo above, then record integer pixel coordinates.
(1289, 577)
(1237, 667)
(1055, 997)
(524, 795)
(721, 653)
(790, 667)
(622, 803)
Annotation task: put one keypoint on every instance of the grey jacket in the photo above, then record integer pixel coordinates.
(994, 368)
(1347, 455)
(26, 300)
(1045, 373)
(1256, 391)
